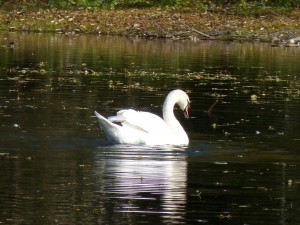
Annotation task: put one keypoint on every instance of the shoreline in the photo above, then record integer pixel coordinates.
(151, 23)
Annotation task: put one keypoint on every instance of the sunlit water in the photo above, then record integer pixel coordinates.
(242, 164)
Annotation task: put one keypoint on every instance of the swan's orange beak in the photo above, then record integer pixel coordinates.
(186, 112)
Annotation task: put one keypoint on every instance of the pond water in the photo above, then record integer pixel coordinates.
(242, 163)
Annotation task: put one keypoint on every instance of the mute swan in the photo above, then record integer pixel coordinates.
(144, 128)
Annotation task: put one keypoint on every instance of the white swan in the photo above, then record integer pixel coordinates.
(144, 128)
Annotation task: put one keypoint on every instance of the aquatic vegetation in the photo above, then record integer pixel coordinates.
(222, 81)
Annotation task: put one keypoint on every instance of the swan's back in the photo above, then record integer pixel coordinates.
(140, 120)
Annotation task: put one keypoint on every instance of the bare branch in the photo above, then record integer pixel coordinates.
(199, 32)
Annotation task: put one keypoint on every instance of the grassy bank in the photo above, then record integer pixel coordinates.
(156, 22)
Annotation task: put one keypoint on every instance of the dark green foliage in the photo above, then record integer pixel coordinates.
(239, 5)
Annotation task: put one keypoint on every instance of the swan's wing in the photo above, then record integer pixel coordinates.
(141, 121)
(121, 134)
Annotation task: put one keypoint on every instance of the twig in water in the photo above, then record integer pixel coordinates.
(212, 106)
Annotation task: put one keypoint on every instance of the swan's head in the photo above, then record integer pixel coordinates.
(184, 104)
(181, 99)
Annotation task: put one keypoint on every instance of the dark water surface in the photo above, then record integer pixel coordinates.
(242, 164)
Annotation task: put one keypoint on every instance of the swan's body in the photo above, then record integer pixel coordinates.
(144, 128)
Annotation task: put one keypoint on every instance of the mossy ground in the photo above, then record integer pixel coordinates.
(155, 23)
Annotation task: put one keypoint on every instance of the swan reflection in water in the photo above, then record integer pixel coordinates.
(143, 181)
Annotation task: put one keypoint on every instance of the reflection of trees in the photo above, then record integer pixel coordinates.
(62, 52)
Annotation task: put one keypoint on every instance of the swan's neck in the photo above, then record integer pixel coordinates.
(170, 119)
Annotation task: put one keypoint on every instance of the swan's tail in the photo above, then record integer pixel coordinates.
(110, 129)
(102, 120)
(105, 123)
